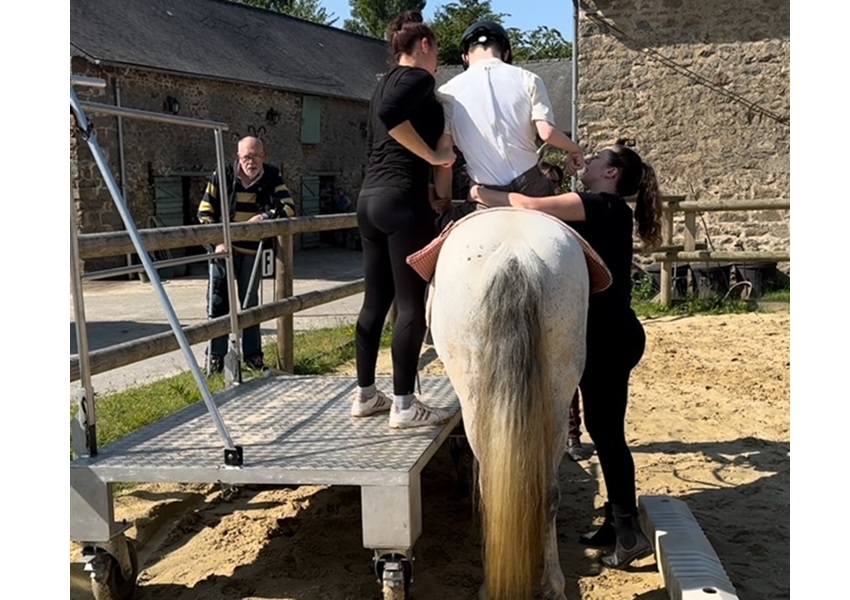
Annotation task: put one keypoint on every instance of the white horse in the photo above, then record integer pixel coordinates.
(507, 311)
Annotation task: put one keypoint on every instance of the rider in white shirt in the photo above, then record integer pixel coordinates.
(494, 113)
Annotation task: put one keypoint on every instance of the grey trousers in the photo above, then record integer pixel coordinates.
(531, 183)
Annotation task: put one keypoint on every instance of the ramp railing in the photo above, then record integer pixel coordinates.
(85, 432)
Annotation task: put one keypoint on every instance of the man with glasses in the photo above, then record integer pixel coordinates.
(255, 191)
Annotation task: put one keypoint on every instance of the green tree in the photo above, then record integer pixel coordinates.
(371, 17)
(452, 19)
(309, 10)
(539, 43)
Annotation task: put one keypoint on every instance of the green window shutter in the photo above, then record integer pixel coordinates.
(311, 125)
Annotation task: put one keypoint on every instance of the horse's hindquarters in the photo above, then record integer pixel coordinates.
(470, 258)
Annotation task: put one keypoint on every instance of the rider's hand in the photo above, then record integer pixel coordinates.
(575, 163)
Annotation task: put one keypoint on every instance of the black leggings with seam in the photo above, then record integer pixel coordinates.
(394, 223)
(612, 353)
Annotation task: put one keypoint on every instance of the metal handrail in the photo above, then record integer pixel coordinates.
(233, 454)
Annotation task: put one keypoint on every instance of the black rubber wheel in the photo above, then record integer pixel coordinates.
(112, 585)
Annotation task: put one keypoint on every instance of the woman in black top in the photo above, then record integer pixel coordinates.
(615, 337)
(395, 220)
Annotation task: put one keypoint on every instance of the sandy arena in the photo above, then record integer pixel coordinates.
(708, 422)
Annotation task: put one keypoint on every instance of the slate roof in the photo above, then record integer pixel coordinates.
(227, 41)
(557, 74)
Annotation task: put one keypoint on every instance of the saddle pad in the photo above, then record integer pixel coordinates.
(424, 261)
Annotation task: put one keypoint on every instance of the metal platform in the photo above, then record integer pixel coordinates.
(293, 430)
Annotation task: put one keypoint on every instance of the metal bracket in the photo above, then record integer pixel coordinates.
(228, 491)
(81, 431)
(233, 458)
(115, 547)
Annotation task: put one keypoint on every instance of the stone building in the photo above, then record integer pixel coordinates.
(704, 90)
(303, 88)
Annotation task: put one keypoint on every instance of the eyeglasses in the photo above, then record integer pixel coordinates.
(611, 159)
(251, 157)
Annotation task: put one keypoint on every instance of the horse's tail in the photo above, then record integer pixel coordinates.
(515, 427)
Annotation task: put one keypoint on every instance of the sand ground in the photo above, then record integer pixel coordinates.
(708, 422)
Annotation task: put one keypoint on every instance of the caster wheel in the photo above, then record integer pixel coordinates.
(395, 573)
(107, 580)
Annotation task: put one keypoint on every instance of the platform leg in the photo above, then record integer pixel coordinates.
(392, 516)
(91, 507)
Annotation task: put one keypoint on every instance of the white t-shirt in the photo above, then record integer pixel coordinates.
(490, 111)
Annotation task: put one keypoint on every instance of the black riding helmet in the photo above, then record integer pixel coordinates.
(484, 31)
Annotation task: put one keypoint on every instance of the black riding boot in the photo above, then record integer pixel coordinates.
(604, 536)
(631, 544)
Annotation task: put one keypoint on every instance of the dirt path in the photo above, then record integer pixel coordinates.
(709, 422)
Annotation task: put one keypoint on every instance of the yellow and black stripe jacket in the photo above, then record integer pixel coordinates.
(268, 196)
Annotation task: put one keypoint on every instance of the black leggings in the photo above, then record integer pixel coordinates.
(611, 355)
(394, 223)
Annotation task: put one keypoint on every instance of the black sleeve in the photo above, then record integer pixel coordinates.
(596, 206)
(403, 98)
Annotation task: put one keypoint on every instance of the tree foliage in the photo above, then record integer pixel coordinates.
(452, 19)
(309, 10)
(539, 43)
(371, 17)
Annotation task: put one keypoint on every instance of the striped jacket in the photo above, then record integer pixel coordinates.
(268, 196)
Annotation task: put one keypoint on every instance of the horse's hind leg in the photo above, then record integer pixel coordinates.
(463, 460)
(553, 583)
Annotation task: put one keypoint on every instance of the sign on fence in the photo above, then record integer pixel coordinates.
(267, 262)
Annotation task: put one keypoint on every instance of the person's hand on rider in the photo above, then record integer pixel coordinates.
(441, 205)
(443, 158)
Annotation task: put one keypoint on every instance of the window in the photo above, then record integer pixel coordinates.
(311, 125)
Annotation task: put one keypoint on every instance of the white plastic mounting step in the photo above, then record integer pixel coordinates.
(689, 566)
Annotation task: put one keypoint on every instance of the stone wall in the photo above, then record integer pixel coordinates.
(154, 149)
(704, 89)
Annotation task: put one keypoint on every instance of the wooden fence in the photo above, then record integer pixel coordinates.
(285, 304)
(669, 254)
(101, 245)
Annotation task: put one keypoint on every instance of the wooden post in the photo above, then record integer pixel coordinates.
(690, 231)
(283, 289)
(667, 267)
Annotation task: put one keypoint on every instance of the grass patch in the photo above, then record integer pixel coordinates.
(644, 290)
(777, 296)
(317, 352)
(691, 306)
(322, 351)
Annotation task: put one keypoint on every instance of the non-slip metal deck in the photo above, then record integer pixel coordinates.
(293, 430)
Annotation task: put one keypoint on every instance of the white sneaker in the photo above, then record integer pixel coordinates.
(418, 415)
(377, 403)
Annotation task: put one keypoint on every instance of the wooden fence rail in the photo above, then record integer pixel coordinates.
(101, 245)
(691, 252)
